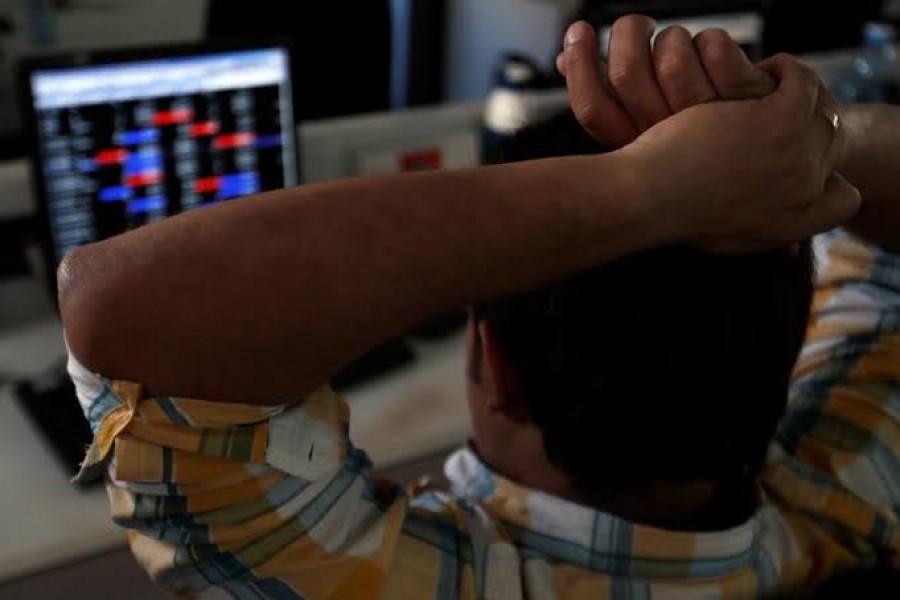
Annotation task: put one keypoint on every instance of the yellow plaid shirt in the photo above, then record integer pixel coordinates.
(227, 501)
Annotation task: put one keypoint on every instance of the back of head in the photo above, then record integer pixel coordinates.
(869, 582)
(669, 365)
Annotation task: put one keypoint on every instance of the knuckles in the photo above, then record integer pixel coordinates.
(671, 66)
(673, 35)
(589, 115)
(714, 45)
(631, 24)
(623, 78)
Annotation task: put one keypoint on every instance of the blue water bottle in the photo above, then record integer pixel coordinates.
(874, 74)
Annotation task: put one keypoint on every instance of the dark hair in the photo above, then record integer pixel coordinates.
(870, 582)
(667, 365)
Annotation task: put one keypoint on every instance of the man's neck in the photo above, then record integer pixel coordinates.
(700, 506)
(529, 469)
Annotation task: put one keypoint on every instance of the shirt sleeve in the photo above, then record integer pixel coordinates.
(839, 441)
(241, 501)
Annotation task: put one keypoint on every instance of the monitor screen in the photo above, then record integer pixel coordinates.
(122, 144)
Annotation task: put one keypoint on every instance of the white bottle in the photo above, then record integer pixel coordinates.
(510, 106)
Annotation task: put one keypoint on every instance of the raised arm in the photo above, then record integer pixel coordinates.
(871, 162)
(288, 286)
(643, 84)
(264, 299)
(836, 463)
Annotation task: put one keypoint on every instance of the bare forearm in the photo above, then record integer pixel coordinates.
(872, 164)
(262, 300)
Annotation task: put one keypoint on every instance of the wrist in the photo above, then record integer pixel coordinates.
(854, 123)
(657, 204)
(615, 207)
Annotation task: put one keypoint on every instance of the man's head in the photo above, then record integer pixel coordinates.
(667, 369)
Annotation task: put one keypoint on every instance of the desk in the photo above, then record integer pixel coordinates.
(16, 200)
(46, 522)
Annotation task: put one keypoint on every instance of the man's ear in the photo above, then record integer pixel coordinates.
(500, 376)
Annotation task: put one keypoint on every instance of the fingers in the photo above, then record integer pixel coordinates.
(595, 105)
(729, 70)
(839, 203)
(797, 93)
(834, 207)
(631, 71)
(561, 63)
(642, 86)
(679, 70)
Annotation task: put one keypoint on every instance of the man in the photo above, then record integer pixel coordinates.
(252, 494)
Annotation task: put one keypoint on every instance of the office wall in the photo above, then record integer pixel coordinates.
(478, 30)
(88, 24)
(400, 41)
(129, 22)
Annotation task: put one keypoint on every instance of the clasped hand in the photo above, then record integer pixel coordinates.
(736, 157)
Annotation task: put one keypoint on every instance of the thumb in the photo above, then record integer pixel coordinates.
(729, 69)
(797, 92)
(839, 203)
(595, 105)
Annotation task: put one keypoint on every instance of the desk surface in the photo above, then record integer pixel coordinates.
(15, 190)
(45, 521)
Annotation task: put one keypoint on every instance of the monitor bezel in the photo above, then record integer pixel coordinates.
(28, 66)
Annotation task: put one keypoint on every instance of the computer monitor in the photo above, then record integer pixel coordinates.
(121, 140)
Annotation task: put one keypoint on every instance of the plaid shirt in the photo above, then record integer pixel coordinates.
(234, 501)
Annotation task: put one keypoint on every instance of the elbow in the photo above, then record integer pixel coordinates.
(80, 296)
(68, 276)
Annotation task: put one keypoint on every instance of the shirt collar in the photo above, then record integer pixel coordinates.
(579, 535)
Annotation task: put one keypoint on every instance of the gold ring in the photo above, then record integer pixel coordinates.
(832, 116)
